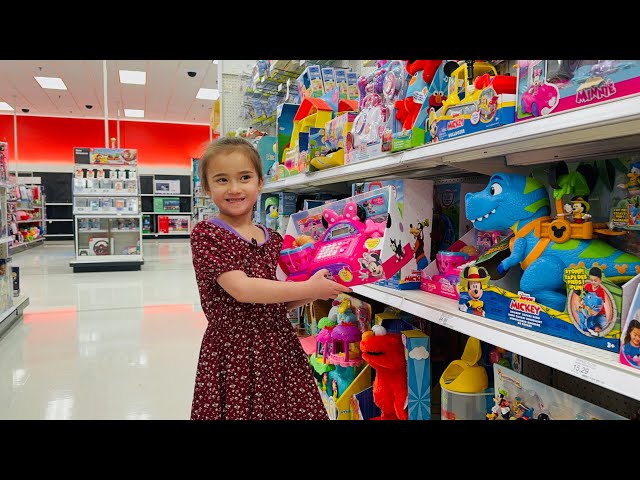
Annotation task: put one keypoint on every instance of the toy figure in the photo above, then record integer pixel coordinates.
(522, 204)
(418, 248)
(631, 348)
(578, 210)
(500, 408)
(633, 185)
(385, 353)
(422, 73)
(271, 212)
(475, 279)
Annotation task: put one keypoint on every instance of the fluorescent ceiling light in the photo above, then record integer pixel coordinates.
(130, 112)
(53, 83)
(133, 76)
(5, 106)
(208, 94)
(215, 62)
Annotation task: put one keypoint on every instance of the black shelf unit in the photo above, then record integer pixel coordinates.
(59, 206)
(147, 197)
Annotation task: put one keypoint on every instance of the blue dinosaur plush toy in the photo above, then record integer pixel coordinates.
(522, 204)
(589, 313)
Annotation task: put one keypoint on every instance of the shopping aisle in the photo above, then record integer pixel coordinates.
(110, 345)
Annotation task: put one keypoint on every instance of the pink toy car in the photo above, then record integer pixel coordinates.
(539, 100)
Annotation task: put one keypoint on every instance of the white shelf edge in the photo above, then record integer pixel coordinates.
(6, 239)
(105, 259)
(19, 303)
(606, 370)
(106, 194)
(108, 231)
(59, 203)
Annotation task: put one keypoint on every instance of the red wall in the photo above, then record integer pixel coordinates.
(51, 139)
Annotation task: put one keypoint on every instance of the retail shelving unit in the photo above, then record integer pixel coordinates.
(203, 206)
(166, 205)
(597, 131)
(106, 208)
(26, 208)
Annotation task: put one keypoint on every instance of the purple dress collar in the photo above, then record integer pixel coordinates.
(221, 223)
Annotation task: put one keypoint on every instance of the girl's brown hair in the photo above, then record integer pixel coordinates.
(227, 145)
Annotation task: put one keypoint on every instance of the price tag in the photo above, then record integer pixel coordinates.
(586, 370)
(444, 319)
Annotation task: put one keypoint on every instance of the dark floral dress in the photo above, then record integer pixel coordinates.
(251, 364)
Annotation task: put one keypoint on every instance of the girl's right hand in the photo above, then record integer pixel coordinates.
(323, 287)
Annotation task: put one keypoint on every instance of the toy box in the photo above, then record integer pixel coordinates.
(449, 220)
(360, 239)
(310, 82)
(414, 200)
(417, 353)
(430, 97)
(352, 86)
(267, 150)
(341, 82)
(518, 397)
(552, 86)
(598, 279)
(477, 99)
(272, 206)
(630, 336)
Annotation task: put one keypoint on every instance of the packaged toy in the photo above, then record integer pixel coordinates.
(572, 284)
(362, 239)
(552, 86)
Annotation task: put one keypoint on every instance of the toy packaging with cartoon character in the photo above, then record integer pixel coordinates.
(360, 240)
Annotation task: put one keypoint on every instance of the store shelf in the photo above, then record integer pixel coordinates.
(59, 203)
(161, 234)
(108, 231)
(105, 194)
(6, 239)
(13, 313)
(26, 245)
(165, 195)
(59, 220)
(603, 129)
(33, 220)
(591, 364)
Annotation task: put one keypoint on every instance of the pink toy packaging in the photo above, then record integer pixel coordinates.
(630, 337)
(360, 240)
(553, 86)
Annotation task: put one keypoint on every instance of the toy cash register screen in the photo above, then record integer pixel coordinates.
(339, 232)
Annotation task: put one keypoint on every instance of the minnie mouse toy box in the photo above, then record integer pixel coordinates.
(360, 240)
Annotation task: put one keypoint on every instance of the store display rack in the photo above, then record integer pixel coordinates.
(106, 208)
(166, 205)
(26, 208)
(591, 132)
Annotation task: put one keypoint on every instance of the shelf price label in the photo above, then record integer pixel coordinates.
(444, 319)
(586, 370)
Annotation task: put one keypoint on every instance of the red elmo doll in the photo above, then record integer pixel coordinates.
(385, 352)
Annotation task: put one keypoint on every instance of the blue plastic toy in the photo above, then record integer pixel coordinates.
(522, 204)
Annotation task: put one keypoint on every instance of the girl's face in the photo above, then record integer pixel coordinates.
(234, 184)
(634, 337)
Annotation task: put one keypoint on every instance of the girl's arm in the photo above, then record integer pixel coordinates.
(260, 290)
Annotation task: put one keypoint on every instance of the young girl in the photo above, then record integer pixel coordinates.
(631, 348)
(251, 364)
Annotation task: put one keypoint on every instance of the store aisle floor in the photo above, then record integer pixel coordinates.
(109, 345)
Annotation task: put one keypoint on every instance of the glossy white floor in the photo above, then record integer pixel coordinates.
(110, 345)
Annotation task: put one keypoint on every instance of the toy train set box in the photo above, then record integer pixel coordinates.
(551, 276)
(360, 240)
(553, 86)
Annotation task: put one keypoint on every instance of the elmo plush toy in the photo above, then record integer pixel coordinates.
(385, 352)
(422, 73)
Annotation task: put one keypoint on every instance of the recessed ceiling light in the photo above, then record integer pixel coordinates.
(130, 112)
(53, 83)
(133, 76)
(208, 94)
(215, 62)
(5, 106)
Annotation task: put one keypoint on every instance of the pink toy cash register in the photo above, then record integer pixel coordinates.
(342, 249)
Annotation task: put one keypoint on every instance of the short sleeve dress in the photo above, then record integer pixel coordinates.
(251, 363)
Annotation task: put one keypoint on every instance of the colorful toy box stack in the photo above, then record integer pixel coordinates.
(414, 200)
(360, 239)
(553, 86)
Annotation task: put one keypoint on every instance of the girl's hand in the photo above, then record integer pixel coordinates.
(323, 287)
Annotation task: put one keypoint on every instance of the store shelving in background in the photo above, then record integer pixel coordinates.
(26, 213)
(166, 202)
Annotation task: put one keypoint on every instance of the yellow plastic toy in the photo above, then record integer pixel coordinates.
(465, 375)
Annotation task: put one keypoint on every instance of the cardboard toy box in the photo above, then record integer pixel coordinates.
(360, 239)
(417, 353)
(449, 220)
(553, 86)
(415, 202)
(503, 300)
